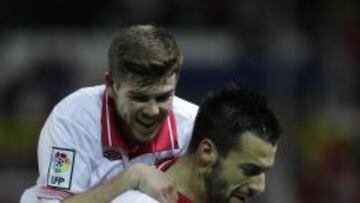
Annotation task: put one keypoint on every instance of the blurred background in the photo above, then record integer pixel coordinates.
(303, 54)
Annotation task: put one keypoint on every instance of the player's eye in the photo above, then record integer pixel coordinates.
(163, 98)
(139, 98)
(251, 170)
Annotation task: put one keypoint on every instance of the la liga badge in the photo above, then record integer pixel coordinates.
(61, 168)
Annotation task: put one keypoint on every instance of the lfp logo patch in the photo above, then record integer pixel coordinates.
(61, 168)
(62, 162)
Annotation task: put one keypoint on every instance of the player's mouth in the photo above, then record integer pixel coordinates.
(239, 197)
(242, 199)
(236, 199)
(147, 124)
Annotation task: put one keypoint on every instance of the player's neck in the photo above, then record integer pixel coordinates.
(188, 178)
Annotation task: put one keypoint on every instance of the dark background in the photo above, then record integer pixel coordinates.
(303, 54)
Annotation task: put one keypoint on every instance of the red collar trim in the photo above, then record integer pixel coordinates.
(112, 141)
(183, 199)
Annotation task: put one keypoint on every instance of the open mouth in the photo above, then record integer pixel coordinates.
(241, 198)
(146, 124)
(237, 199)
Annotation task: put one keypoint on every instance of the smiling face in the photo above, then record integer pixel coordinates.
(143, 106)
(241, 174)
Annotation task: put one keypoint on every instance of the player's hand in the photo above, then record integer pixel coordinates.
(153, 182)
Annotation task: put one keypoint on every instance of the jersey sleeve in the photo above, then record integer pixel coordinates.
(134, 196)
(64, 158)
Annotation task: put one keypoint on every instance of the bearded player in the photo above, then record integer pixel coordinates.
(234, 144)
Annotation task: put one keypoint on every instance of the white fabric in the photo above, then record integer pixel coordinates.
(28, 196)
(75, 123)
(134, 196)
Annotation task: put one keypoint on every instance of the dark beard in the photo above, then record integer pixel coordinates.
(215, 186)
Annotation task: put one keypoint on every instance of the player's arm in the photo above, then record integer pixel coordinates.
(138, 176)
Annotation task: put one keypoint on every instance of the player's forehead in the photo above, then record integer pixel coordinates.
(135, 85)
(254, 151)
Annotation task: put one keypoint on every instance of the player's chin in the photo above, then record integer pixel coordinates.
(145, 136)
(141, 138)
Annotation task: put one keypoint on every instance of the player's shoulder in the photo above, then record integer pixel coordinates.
(184, 108)
(84, 98)
(85, 93)
(134, 196)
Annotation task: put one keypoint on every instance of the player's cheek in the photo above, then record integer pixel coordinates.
(135, 108)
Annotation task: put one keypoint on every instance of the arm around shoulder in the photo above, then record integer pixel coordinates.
(108, 191)
(138, 176)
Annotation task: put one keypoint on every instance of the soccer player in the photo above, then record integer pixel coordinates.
(99, 141)
(234, 143)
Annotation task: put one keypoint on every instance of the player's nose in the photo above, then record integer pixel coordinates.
(257, 185)
(151, 108)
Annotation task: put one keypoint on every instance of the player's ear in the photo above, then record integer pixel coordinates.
(110, 84)
(207, 153)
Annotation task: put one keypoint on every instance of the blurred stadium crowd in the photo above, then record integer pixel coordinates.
(303, 54)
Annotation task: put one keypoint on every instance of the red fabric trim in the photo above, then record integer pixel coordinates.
(161, 142)
(183, 199)
(53, 193)
(164, 166)
(104, 129)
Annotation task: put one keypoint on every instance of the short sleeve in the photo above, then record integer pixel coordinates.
(64, 158)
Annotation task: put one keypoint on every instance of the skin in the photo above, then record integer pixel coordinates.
(241, 175)
(204, 176)
(142, 108)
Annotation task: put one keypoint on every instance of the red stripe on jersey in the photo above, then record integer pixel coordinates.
(165, 140)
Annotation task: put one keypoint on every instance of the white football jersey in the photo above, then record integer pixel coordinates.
(81, 147)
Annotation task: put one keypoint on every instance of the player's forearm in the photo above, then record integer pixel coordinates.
(108, 191)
